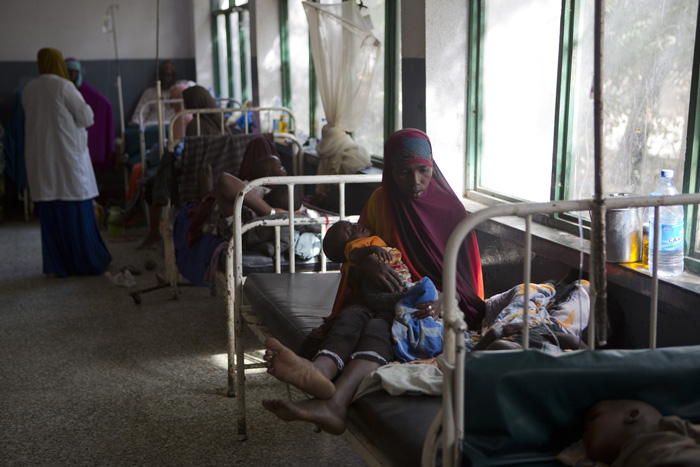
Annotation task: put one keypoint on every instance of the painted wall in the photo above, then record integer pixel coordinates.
(75, 28)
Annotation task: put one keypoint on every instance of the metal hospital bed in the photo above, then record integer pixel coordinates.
(172, 277)
(480, 387)
(409, 430)
(149, 104)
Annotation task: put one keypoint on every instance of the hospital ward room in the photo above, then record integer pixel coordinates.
(350, 233)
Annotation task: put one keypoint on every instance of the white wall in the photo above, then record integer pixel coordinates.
(446, 86)
(75, 28)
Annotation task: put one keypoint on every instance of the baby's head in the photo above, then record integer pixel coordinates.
(268, 166)
(278, 197)
(338, 236)
(610, 423)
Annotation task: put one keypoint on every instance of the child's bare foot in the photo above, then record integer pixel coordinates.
(205, 180)
(288, 367)
(323, 413)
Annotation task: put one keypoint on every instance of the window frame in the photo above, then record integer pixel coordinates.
(563, 127)
(243, 58)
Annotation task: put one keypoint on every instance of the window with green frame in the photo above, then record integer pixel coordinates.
(299, 87)
(231, 49)
(530, 128)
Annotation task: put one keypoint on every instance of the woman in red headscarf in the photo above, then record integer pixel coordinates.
(415, 210)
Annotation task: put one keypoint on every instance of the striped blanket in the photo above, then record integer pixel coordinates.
(223, 152)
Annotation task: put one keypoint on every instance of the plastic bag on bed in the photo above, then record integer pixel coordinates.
(307, 239)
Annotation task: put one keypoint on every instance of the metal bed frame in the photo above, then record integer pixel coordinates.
(172, 277)
(149, 104)
(452, 422)
(239, 313)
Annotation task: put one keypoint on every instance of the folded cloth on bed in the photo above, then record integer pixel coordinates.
(223, 152)
(416, 338)
(413, 379)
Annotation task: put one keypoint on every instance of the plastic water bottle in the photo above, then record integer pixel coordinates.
(671, 246)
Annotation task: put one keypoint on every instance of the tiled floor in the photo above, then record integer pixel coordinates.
(89, 378)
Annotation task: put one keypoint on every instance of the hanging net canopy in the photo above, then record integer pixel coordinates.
(345, 55)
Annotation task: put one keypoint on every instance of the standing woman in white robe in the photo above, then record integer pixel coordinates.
(59, 172)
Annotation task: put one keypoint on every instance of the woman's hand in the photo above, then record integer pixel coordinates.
(426, 309)
(379, 274)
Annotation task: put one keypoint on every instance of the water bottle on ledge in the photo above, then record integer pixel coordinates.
(671, 252)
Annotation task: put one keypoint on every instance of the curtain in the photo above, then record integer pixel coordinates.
(345, 54)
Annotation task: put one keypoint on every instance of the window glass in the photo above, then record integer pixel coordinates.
(648, 56)
(299, 66)
(520, 57)
(370, 132)
(222, 56)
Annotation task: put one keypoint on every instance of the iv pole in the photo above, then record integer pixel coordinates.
(111, 25)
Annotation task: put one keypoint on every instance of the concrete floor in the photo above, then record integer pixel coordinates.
(89, 378)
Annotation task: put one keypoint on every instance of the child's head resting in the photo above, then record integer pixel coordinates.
(610, 423)
(338, 236)
(278, 197)
(268, 166)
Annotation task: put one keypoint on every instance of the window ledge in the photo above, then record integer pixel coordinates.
(680, 292)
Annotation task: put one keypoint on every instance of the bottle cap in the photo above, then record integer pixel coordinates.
(666, 173)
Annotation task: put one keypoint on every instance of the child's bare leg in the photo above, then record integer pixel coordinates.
(314, 378)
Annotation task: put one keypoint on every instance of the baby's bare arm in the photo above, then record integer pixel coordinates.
(358, 254)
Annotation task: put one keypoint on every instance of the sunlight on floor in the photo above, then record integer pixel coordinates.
(221, 360)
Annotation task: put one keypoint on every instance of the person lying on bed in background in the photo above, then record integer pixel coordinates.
(202, 230)
(135, 212)
(632, 433)
(415, 211)
(350, 244)
(557, 318)
(194, 97)
(168, 76)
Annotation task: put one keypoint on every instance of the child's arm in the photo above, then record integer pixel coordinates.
(566, 341)
(358, 254)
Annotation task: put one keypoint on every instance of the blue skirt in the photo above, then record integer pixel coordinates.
(71, 243)
(192, 262)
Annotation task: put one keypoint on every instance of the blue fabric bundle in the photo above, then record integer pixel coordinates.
(416, 338)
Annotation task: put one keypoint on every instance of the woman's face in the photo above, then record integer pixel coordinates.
(412, 178)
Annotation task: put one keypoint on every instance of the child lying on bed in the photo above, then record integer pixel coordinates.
(631, 433)
(557, 318)
(413, 338)
(201, 231)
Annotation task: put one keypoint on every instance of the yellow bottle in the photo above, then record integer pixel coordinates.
(283, 123)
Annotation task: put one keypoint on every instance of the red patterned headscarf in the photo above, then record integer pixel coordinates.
(424, 225)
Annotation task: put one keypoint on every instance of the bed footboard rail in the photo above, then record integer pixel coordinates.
(234, 267)
(455, 326)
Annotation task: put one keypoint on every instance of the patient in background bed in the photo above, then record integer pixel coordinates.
(632, 433)
(201, 231)
(558, 314)
(168, 76)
